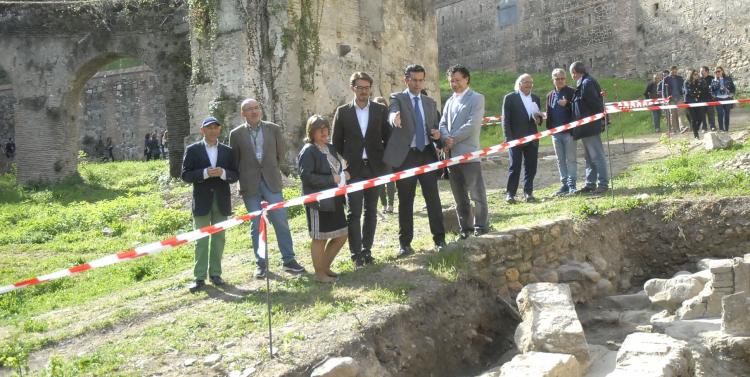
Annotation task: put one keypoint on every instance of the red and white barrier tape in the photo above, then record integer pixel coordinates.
(610, 107)
(156, 247)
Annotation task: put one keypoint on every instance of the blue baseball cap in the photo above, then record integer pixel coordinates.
(209, 121)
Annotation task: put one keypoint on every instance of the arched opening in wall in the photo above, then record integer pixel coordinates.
(7, 122)
(120, 104)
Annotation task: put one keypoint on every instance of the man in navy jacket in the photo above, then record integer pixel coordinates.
(209, 166)
(587, 101)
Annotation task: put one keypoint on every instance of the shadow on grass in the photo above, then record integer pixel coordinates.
(71, 190)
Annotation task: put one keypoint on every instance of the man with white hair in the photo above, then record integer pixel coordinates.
(521, 116)
(258, 149)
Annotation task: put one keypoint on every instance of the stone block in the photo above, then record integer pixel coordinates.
(538, 364)
(735, 317)
(716, 140)
(721, 266)
(549, 321)
(577, 271)
(741, 275)
(670, 293)
(337, 367)
(692, 308)
(652, 355)
(703, 275)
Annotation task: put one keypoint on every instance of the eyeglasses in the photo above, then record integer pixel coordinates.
(559, 78)
(362, 87)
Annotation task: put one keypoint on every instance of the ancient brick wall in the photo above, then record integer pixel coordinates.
(624, 38)
(124, 105)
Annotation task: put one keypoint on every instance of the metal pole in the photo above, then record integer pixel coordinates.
(264, 204)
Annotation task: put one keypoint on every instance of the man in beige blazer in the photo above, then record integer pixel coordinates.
(258, 148)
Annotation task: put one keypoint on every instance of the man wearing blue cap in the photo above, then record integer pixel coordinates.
(210, 167)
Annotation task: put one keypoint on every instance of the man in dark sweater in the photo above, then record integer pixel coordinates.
(707, 77)
(559, 112)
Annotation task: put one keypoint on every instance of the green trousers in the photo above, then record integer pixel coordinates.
(208, 250)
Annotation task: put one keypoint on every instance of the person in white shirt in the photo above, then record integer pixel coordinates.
(209, 166)
(521, 117)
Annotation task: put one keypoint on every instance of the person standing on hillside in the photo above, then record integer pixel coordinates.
(696, 90)
(672, 86)
(210, 167)
(259, 152)
(460, 126)
(521, 117)
(722, 88)
(587, 101)
(710, 112)
(559, 112)
(360, 130)
(413, 117)
(653, 90)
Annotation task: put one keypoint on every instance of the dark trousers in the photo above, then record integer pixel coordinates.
(407, 189)
(711, 118)
(388, 194)
(528, 154)
(723, 115)
(362, 236)
(697, 116)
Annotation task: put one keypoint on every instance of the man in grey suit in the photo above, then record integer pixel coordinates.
(459, 128)
(258, 149)
(414, 122)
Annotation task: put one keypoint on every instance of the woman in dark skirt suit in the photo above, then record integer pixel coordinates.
(321, 168)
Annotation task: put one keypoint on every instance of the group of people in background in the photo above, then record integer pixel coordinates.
(700, 86)
(369, 138)
(154, 146)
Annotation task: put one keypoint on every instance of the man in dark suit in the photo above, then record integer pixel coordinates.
(521, 116)
(360, 131)
(414, 121)
(259, 152)
(209, 166)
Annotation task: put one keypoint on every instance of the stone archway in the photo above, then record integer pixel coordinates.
(69, 43)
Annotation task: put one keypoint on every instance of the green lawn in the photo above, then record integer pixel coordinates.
(495, 85)
(118, 205)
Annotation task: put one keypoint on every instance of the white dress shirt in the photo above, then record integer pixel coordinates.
(213, 154)
(363, 117)
(529, 104)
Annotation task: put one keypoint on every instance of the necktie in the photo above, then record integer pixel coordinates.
(420, 134)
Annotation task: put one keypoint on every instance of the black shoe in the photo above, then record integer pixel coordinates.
(440, 246)
(529, 198)
(260, 272)
(510, 199)
(217, 280)
(196, 286)
(404, 251)
(564, 190)
(367, 258)
(463, 235)
(293, 267)
(479, 232)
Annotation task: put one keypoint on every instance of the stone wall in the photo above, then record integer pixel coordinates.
(255, 53)
(626, 38)
(122, 104)
(7, 113)
(616, 252)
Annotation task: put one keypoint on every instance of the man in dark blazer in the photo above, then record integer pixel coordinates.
(414, 132)
(360, 131)
(259, 151)
(521, 116)
(209, 166)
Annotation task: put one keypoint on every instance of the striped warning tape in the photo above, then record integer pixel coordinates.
(172, 242)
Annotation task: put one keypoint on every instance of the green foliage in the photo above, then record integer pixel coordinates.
(586, 209)
(290, 192)
(14, 354)
(203, 16)
(168, 221)
(447, 264)
(304, 37)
